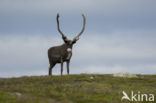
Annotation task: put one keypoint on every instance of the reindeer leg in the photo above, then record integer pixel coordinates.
(50, 68)
(68, 67)
(61, 66)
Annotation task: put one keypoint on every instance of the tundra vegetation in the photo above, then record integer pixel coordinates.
(82, 88)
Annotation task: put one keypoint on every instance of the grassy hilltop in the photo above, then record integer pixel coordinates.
(83, 88)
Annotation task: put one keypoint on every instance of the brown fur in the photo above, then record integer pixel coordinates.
(63, 53)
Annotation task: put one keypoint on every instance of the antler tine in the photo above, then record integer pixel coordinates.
(84, 23)
(58, 27)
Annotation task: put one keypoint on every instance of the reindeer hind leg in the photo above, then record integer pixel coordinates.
(50, 68)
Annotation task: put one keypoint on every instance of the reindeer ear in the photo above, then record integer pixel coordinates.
(65, 39)
(73, 42)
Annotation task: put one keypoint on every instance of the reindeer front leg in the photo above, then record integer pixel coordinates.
(61, 66)
(68, 67)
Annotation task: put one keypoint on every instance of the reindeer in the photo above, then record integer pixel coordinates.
(63, 53)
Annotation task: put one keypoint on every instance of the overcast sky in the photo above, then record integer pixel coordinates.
(120, 36)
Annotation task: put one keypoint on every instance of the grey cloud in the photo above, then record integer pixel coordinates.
(103, 16)
(107, 6)
(119, 35)
(27, 55)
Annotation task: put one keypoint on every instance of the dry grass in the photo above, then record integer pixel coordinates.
(84, 88)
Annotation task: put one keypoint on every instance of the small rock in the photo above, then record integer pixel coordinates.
(17, 94)
(91, 77)
(125, 75)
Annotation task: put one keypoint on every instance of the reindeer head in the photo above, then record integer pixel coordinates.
(65, 39)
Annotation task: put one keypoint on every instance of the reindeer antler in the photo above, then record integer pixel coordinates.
(58, 28)
(84, 23)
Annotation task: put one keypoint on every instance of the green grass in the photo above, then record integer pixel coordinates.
(73, 88)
